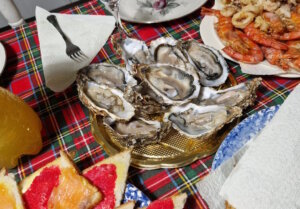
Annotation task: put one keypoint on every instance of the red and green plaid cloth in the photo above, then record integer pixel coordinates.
(66, 122)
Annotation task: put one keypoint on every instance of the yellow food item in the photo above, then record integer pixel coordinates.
(7, 200)
(20, 129)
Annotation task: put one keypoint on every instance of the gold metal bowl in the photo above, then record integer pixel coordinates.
(173, 151)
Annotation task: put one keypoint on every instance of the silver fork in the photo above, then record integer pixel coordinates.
(73, 51)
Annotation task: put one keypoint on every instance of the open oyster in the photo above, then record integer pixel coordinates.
(200, 121)
(165, 51)
(104, 100)
(145, 101)
(171, 84)
(242, 95)
(108, 74)
(138, 131)
(135, 52)
(210, 64)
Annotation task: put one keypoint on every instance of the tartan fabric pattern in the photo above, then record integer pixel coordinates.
(65, 120)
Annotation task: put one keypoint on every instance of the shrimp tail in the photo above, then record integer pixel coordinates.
(211, 12)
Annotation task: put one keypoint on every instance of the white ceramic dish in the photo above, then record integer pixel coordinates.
(210, 38)
(2, 58)
(143, 11)
(245, 131)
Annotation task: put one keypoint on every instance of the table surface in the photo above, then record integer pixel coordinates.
(66, 122)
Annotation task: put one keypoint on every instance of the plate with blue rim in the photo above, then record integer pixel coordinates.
(134, 194)
(242, 133)
(2, 57)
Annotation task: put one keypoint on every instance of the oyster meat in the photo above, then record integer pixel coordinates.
(242, 95)
(104, 100)
(209, 63)
(135, 52)
(145, 101)
(138, 131)
(172, 84)
(165, 51)
(200, 121)
(107, 74)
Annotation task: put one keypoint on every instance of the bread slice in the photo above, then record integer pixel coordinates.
(58, 185)
(10, 196)
(228, 206)
(127, 205)
(178, 202)
(109, 173)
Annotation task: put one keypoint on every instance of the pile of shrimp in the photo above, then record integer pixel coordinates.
(254, 30)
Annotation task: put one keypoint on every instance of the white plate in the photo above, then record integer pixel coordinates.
(245, 131)
(210, 38)
(2, 58)
(142, 11)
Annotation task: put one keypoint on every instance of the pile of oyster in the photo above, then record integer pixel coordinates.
(166, 86)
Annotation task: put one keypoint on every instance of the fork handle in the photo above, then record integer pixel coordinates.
(52, 19)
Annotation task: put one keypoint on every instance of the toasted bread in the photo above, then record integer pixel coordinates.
(120, 162)
(178, 201)
(128, 205)
(58, 185)
(10, 196)
(228, 206)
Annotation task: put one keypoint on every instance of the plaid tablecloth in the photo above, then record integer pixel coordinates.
(66, 122)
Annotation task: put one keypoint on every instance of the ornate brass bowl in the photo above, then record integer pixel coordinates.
(173, 151)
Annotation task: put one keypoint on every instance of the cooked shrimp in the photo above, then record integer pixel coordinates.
(275, 57)
(276, 25)
(294, 50)
(293, 54)
(254, 56)
(238, 46)
(294, 44)
(293, 27)
(296, 64)
(262, 38)
(294, 35)
(224, 25)
(225, 31)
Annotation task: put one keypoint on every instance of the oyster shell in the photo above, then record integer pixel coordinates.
(145, 100)
(104, 100)
(108, 74)
(242, 95)
(165, 51)
(200, 121)
(138, 131)
(135, 52)
(210, 64)
(171, 84)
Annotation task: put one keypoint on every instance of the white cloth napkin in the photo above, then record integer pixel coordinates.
(268, 175)
(88, 32)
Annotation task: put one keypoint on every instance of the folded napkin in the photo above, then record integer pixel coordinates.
(88, 32)
(211, 185)
(268, 174)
